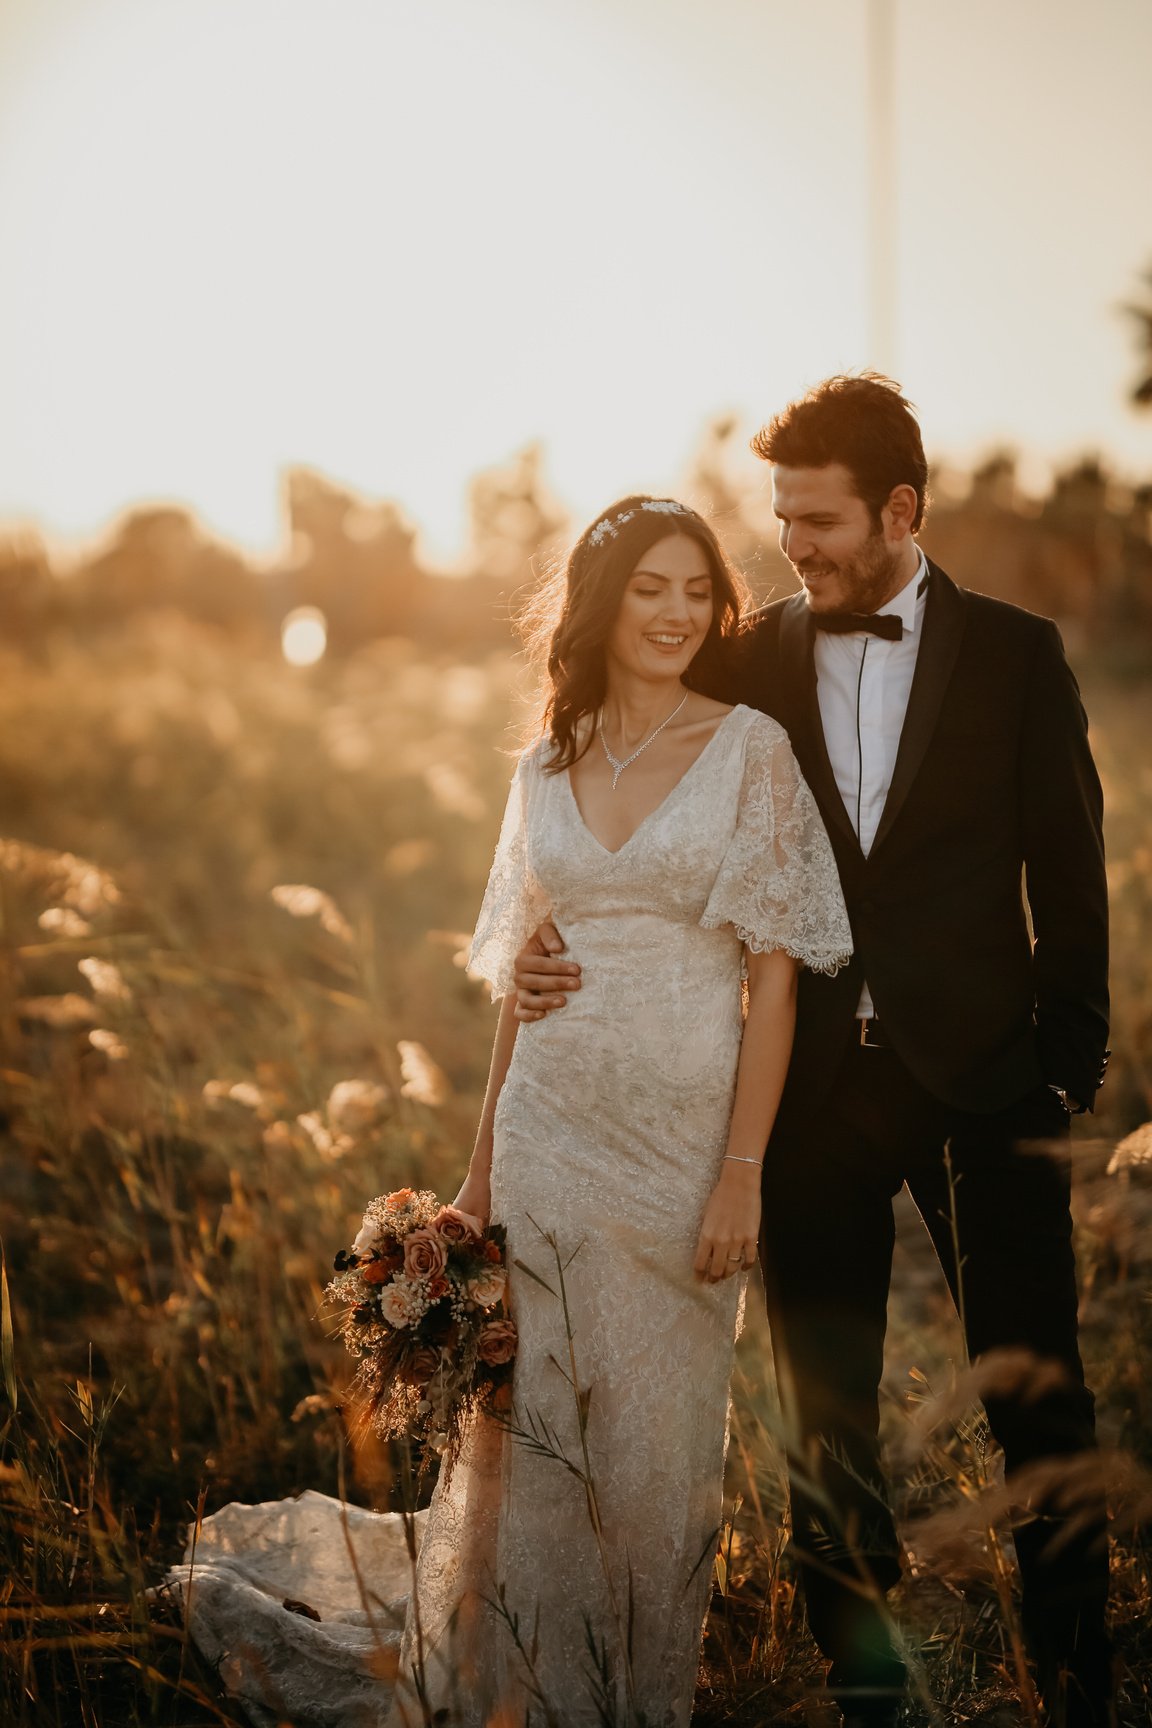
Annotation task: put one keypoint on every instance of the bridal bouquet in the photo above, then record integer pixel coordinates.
(423, 1296)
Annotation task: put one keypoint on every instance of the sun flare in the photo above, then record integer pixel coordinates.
(304, 636)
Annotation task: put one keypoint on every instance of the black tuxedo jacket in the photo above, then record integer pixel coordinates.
(984, 994)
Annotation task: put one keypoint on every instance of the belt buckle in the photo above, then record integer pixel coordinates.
(867, 1043)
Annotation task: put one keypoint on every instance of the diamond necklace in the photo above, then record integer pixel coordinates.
(614, 762)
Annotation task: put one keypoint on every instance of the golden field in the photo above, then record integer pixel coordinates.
(234, 900)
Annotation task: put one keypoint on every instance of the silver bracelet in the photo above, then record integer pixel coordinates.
(731, 1158)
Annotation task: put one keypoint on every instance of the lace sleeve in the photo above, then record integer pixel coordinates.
(514, 902)
(778, 885)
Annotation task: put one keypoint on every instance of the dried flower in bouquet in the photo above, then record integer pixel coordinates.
(423, 1293)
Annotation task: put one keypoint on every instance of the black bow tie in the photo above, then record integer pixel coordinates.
(884, 624)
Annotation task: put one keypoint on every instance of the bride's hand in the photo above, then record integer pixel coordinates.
(731, 1227)
(475, 1199)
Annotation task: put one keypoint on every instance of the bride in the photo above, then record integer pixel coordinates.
(564, 1568)
(565, 1565)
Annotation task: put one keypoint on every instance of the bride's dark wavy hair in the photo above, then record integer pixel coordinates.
(567, 622)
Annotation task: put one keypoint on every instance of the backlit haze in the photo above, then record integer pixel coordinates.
(398, 240)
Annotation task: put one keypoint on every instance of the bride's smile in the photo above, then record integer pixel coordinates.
(665, 612)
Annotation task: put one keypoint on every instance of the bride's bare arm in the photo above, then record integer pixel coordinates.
(475, 1196)
(730, 1231)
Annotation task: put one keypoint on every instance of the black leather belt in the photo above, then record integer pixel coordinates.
(871, 1035)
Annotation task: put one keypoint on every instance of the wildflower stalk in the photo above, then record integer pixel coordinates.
(978, 1487)
(419, 1663)
(526, 1655)
(959, 1260)
(539, 1437)
(7, 1337)
(583, 1400)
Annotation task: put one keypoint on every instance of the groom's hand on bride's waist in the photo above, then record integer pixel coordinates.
(543, 974)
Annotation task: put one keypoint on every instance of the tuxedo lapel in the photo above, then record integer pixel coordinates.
(944, 617)
(798, 665)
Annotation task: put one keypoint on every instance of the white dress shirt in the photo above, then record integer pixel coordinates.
(863, 683)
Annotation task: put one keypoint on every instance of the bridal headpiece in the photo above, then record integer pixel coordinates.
(609, 526)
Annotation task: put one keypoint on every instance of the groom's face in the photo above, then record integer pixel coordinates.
(828, 536)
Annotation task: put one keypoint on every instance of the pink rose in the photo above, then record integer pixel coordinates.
(425, 1254)
(401, 1303)
(497, 1342)
(487, 1287)
(455, 1226)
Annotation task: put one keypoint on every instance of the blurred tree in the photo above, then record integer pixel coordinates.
(1142, 391)
(1080, 494)
(1082, 555)
(160, 557)
(29, 597)
(713, 487)
(352, 557)
(514, 519)
(994, 482)
(738, 505)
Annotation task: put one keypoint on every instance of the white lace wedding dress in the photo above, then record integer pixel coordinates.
(563, 1576)
(609, 1133)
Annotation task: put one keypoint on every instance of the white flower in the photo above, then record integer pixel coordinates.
(88, 889)
(325, 1143)
(113, 1047)
(64, 922)
(1132, 1151)
(300, 900)
(664, 507)
(106, 980)
(356, 1105)
(424, 1081)
(368, 1237)
(278, 1138)
(243, 1092)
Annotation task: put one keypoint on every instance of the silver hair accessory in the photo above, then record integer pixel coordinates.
(608, 526)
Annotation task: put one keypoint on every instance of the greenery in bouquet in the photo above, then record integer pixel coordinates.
(423, 1291)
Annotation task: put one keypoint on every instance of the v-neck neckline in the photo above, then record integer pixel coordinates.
(608, 851)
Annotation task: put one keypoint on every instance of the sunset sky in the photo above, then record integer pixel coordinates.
(397, 239)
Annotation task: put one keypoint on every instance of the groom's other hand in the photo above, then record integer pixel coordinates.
(541, 973)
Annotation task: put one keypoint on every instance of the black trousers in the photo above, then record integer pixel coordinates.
(827, 1245)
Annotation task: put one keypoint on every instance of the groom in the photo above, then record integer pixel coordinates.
(942, 735)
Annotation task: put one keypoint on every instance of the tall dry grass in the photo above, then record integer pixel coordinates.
(232, 901)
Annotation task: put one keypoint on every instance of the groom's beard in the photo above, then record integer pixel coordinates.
(866, 580)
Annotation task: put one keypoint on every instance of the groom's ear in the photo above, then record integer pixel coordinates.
(899, 513)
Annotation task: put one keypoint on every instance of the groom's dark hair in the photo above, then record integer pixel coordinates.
(861, 420)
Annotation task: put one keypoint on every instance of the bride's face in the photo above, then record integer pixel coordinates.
(665, 610)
